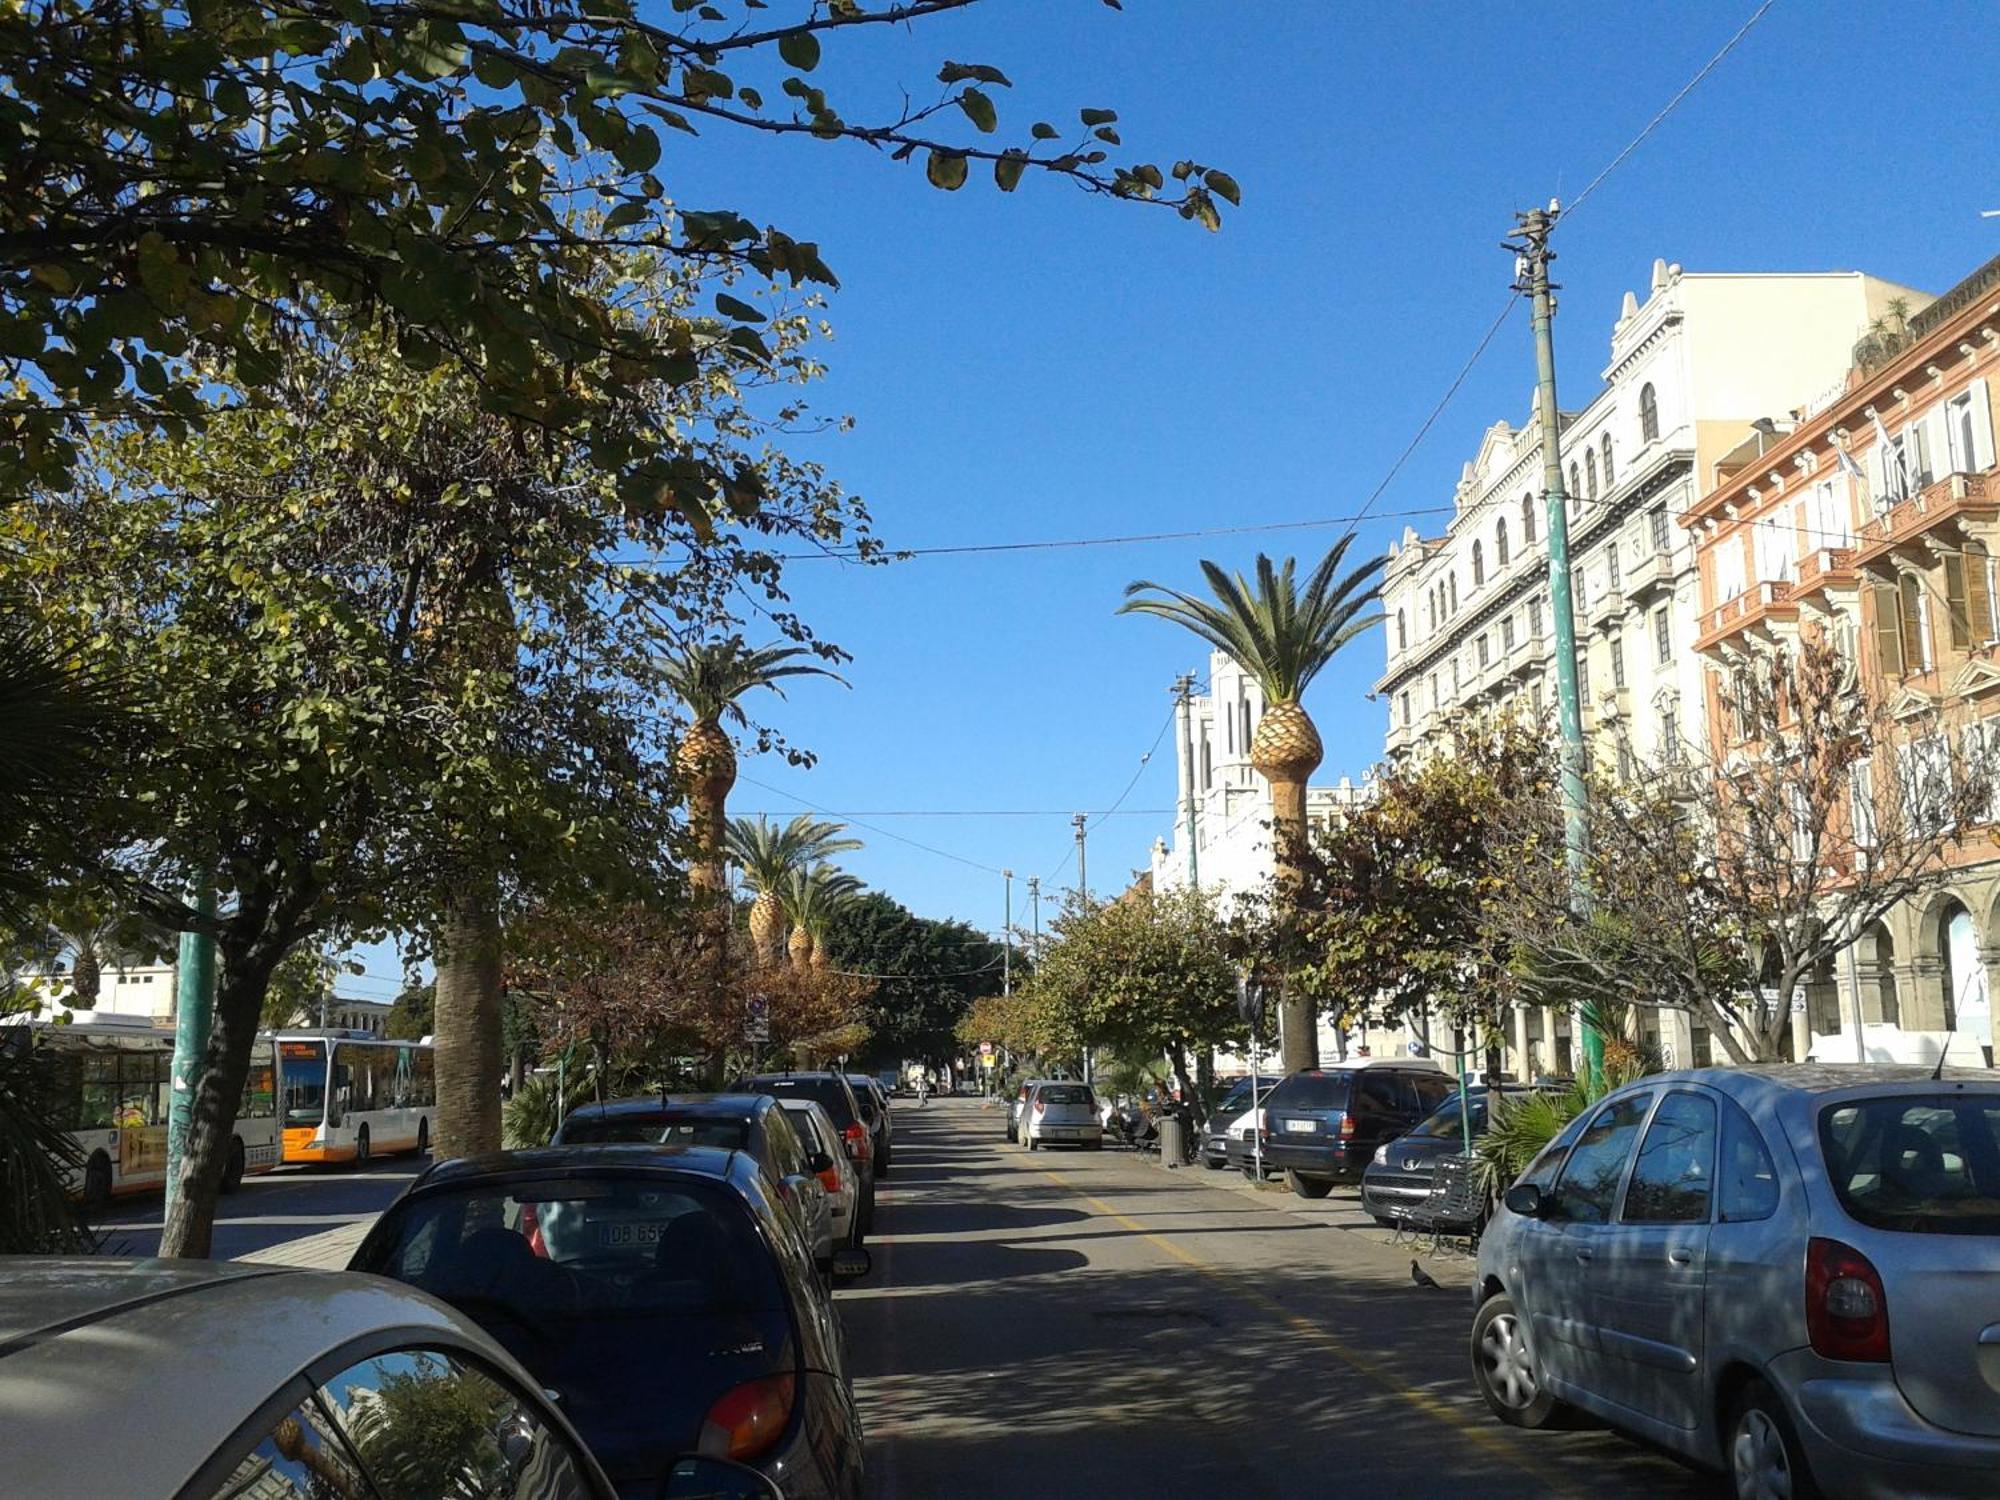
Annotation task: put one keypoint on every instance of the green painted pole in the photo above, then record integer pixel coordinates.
(194, 1009)
(1534, 254)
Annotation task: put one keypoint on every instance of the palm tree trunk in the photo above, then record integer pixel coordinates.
(467, 1021)
(1285, 751)
(86, 974)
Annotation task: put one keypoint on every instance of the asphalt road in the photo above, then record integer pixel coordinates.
(273, 1209)
(1085, 1324)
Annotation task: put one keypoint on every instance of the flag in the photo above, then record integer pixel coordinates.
(1893, 471)
(1848, 465)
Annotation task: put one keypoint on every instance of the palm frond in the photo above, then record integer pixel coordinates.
(768, 852)
(1282, 634)
(810, 897)
(711, 678)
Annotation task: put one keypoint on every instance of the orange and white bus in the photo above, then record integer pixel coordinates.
(113, 1078)
(347, 1096)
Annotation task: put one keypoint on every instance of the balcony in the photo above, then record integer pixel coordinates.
(1755, 611)
(1824, 573)
(1528, 657)
(1940, 511)
(1606, 608)
(1655, 570)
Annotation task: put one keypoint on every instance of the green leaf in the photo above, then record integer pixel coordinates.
(800, 49)
(1007, 170)
(958, 72)
(979, 109)
(946, 170)
(1044, 131)
(1224, 186)
(1107, 134)
(1098, 116)
(732, 307)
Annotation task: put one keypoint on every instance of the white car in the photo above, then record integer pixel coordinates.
(1061, 1114)
(214, 1381)
(838, 1178)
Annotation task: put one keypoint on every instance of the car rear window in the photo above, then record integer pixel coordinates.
(1924, 1164)
(808, 1129)
(831, 1094)
(575, 1249)
(663, 1130)
(1065, 1093)
(1311, 1091)
(865, 1098)
(1444, 1123)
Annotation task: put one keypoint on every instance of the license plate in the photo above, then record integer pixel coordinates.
(1302, 1127)
(1053, 1130)
(620, 1236)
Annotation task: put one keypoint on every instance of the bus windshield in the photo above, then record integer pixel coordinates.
(304, 1065)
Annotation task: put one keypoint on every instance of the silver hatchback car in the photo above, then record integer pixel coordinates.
(1788, 1273)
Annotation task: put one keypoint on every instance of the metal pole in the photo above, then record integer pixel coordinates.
(1082, 884)
(1534, 255)
(194, 1009)
(1035, 900)
(1183, 694)
(1007, 938)
(1854, 984)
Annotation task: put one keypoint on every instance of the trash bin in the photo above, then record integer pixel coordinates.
(1173, 1141)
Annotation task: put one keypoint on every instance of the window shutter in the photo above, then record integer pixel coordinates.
(1978, 594)
(1982, 427)
(1909, 612)
(1888, 632)
(1956, 600)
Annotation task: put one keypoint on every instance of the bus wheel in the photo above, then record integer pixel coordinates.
(232, 1174)
(97, 1183)
(361, 1147)
(423, 1136)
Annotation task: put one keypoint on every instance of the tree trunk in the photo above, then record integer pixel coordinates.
(1285, 751)
(467, 1021)
(707, 762)
(86, 975)
(767, 928)
(189, 1229)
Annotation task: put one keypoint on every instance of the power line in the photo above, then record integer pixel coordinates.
(884, 832)
(1144, 761)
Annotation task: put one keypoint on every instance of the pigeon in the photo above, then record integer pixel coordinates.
(1422, 1277)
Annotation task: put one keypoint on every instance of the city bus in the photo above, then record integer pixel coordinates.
(347, 1096)
(113, 1080)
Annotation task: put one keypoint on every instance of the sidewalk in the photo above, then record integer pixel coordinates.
(326, 1251)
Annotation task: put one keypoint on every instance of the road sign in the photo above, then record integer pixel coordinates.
(986, 1052)
(757, 1028)
(1250, 998)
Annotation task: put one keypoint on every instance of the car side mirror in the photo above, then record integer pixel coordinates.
(697, 1478)
(1528, 1200)
(819, 1161)
(852, 1265)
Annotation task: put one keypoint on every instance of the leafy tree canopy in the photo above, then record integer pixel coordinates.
(926, 974)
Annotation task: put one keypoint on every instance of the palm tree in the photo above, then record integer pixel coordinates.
(810, 898)
(1282, 634)
(711, 679)
(768, 854)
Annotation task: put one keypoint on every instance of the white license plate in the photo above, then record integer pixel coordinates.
(616, 1236)
(1302, 1127)
(1054, 1130)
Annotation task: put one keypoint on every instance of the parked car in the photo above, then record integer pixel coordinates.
(1324, 1125)
(662, 1295)
(835, 1095)
(1233, 1112)
(1019, 1103)
(734, 1122)
(212, 1381)
(1790, 1273)
(1400, 1176)
(838, 1175)
(874, 1102)
(1062, 1114)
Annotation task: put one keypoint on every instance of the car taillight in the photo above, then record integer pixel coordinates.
(1347, 1127)
(748, 1419)
(830, 1179)
(855, 1138)
(1847, 1311)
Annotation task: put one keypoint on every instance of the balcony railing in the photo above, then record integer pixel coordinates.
(1823, 569)
(1946, 502)
(1653, 570)
(1754, 608)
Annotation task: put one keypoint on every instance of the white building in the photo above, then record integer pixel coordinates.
(141, 990)
(1691, 369)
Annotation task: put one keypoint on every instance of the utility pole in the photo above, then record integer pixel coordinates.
(1082, 885)
(194, 1009)
(1184, 696)
(1035, 900)
(1007, 938)
(1532, 256)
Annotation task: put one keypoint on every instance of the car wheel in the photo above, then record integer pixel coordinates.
(97, 1183)
(1765, 1459)
(361, 1147)
(1307, 1187)
(1504, 1368)
(1212, 1164)
(232, 1172)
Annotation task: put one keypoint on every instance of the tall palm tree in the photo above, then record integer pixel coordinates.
(1282, 634)
(768, 854)
(712, 679)
(810, 898)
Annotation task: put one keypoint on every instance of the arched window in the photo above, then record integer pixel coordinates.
(1452, 581)
(1527, 520)
(1608, 476)
(1590, 473)
(1575, 484)
(1402, 633)
(1478, 565)
(1649, 413)
(1500, 544)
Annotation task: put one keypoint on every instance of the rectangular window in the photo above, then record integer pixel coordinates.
(1457, 680)
(1583, 676)
(1670, 735)
(1800, 808)
(1888, 630)
(1507, 635)
(1675, 1170)
(1611, 564)
(1663, 637)
(1536, 698)
(1658, 522)
(1861, 798)
(1576, 588)
(1485, 652)
(1535, 618)
(1617, 662)
(1980, 745)
(1925, 767)
(1406, 708)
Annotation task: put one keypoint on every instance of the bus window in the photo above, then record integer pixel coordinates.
(100, 1089)
(259, 1092)
(425, 1075)
(304, 1076)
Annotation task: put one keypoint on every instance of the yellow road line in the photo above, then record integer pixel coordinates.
(1480, 1436)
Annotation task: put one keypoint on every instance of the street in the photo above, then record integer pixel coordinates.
(276, 1209)
(1086, 1324)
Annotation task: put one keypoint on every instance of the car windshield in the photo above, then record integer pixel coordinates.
(1925, 1164)
(1066, 1093)
(664, 1130)
(830, 1094)
(1444, 1122)
(302, 1065)
(1310, 1091)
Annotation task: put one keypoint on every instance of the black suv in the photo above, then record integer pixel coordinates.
(833, 1093)
(1324, 1125)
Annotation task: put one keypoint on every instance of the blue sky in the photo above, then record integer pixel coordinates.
(1053, 365)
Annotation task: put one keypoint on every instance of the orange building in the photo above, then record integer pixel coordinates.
(1874, 514)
